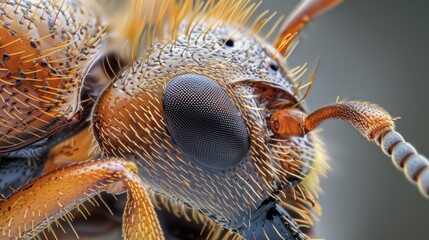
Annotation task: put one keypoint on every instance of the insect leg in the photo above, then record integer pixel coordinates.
(52, 196)
(372, 122)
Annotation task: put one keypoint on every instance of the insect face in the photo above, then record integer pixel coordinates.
(193, 116)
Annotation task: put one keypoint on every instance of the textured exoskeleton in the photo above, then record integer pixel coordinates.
(191, 111)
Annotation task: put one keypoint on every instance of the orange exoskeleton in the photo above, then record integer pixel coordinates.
(196, 112)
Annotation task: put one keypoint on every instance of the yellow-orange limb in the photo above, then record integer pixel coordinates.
(50, 197)
(299, 17)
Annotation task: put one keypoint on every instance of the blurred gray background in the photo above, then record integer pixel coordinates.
(378, 51)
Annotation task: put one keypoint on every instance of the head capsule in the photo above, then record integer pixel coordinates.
(193, 115)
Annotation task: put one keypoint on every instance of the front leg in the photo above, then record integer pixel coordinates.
(50, 197)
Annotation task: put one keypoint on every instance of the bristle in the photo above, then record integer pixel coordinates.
(42, 66)
(142, 28)
(191, 33)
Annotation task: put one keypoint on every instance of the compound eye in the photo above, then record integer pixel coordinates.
(204, 123)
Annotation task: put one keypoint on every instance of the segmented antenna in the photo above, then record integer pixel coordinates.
(371, 121)
(406, 158)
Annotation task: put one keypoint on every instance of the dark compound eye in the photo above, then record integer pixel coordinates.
(204, 123)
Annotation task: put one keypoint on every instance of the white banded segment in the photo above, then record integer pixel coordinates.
(406, 158)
